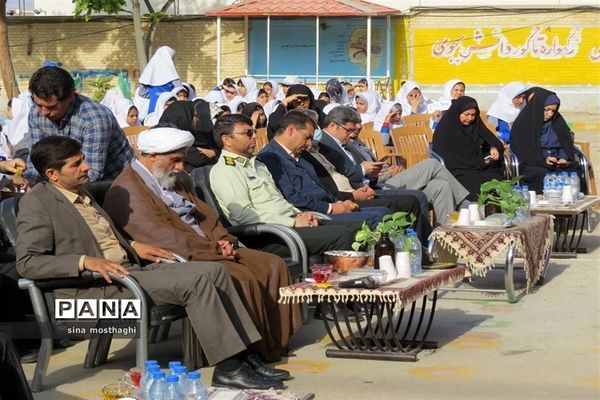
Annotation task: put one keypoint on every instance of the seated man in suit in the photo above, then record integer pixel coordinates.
(147, 203)
(62, 231)
(247, 193)
(285, 157)
(341, 146)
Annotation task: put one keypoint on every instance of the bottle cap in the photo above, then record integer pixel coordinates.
(173, 364)
(172, 378)
(147, 363)
(153, 367)
(194, 374)
(158, 374)
(525, 187)
(180, 369)
(411, 232)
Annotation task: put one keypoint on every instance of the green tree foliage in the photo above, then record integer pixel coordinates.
(85, 8)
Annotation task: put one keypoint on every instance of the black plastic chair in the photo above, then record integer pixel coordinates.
(42, 299)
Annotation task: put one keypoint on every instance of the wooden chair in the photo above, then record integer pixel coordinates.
(583, 151)
(417, 120)
(490, 126)
(414, 148)
(414, 130)
(261, 139)
(132, 132)
(372, 139)
(368, 126)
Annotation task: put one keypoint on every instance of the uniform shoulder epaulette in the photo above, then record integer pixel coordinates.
(229, 160)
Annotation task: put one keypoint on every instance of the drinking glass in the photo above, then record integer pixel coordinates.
(321, 273)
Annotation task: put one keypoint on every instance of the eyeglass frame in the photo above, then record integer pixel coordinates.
(246, 132)
(349, 131)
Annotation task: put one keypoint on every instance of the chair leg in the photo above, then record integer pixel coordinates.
(152, 335)
(163, 331)
(103, 349)
(37, 383)
(92, 352)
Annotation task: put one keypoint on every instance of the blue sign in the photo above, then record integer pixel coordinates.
(342, 47)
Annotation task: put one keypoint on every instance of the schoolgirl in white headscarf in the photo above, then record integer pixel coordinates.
(159, 76)
(162, 103)
(420, 102)
(121, 109)
(18, 125)
(506, 108)
(248, 89)
(368, 104)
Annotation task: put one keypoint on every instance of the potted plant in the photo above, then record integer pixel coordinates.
(499, 196)
(394, 224)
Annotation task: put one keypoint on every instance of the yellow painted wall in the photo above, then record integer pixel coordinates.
(551, 49)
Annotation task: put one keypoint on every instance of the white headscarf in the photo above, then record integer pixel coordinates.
(120, 109)
(330, 107)
(160, 69)
(111, 97)
(18, 126)
(251, 89)
(383, 112)
(447, 90)
(373, 105)
(234, 103)
(270, 107)
(401, 97)
(503, 108)
(275, 86)
(163, 140)
(153, 118)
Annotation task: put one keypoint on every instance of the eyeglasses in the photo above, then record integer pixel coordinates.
(248, 132)
(349, 131)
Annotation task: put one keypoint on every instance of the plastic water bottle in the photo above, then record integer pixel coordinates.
(150, 367)
(172, 365)
(172, 389)
(547, 186)
(195, 389)
(181, 372)
(157, 389)
(414, 251)
(527, 197)
(575, 185)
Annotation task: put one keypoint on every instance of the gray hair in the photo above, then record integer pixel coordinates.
(342, 115)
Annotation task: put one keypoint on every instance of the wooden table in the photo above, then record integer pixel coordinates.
(396, 318)
(477, 246)
(570, 220)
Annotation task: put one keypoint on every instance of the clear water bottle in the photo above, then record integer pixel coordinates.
(172, 365)
(172, 389)
(547, 186)
(181, 372)
(150, 367)
(195, 389)
(415, 252)
(575, 185)
(527, 197)
(157, 389)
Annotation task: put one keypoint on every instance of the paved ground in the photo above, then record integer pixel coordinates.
(546, 346)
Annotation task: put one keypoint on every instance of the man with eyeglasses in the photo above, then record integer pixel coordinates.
(429, 178)
(247, 193)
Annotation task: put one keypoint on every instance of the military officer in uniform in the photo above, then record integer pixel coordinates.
(248, 194)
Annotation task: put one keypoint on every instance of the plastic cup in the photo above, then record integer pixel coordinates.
(474, 213)
(403, 267)
(464, 217)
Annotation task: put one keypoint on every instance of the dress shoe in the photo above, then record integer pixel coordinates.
(341, 310)
(263, 370)
(244, 378)
(30, 357)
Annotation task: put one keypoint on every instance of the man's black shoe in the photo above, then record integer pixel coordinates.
(341, 310)
(30, 357)
(244, 378)
(261, 369)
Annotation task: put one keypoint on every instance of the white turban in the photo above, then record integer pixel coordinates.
(163, 140)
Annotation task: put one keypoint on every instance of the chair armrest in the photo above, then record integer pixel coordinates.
(436, 156)
(291, 238)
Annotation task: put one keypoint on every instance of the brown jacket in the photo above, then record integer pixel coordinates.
(143, 216)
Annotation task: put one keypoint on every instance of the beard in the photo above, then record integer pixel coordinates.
(166, 179)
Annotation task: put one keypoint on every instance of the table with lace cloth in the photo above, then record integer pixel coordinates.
(390, 322)
(477, 246)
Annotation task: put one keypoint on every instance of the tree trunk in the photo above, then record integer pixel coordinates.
(6, 67)
(142, 55)
(154, 27)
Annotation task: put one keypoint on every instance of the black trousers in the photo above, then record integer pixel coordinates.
(13, 383)
(330, 235)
